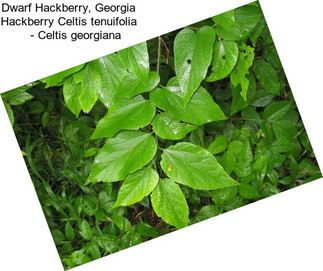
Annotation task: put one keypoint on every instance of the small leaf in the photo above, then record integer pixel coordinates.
(193, 55)
(71, 92)
(276, 111)
(238, 102)
(267, 75)
(218, 145)
(200, 110)
(137, 186)
(238, 75)
(248, 191)
(168, 127)
(125, 153)
(9, 112)
(169, 203)
(219, 196)
(69, 231)
(58, 237)
(225, 56)
(206, 212)
(85, 230)
(128, 114)
(243, 157)
(94, 251)
(195, 167)
(122, 223)
(271, 55)
(145, 229)
(91, 85)
(17, 97)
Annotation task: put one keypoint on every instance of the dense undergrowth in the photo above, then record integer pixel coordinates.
(161, 135)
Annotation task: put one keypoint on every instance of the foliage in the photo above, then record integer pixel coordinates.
(161, 135)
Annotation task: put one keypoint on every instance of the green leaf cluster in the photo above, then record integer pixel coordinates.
(161, 135)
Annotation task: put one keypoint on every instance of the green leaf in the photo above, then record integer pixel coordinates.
(122, 223)
(248, 191)
(112, 72)
(71, 92)
(193, 55)
(145, 229)
(94, 251)
(276, 111)
(45, 118)
(125, 74)
(267, 76)
(58, 78)
(137, 186)
(128, 114)
(91, 85)
(206, 212)
(169, 203)
(219, 196)
(247, 16)
(218, 145)
(237, 24)
(14, 97)
(272, 57)
(125, 153)
(225, 56)
(9, 112)
(238, 102)
(69, 231)
(238, 75)
(200, 110)
(195, 167)
(136, 59)
(242, 157)
(168, 127)
(256, 32)
(85, 230)
(58, 237)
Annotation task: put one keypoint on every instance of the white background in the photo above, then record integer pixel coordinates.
(283, 232)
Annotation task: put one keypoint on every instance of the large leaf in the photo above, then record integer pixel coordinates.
(136, 60)
(267, 75)
(195, 167)
(168, 127)
(137, 186)
(237, 24)
(125, 74)
(127, 114)
(169, 203)
(200, 110)
(125, 153)
(225, 56)
(193, 55)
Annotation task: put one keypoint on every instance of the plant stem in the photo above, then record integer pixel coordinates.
(158, 54)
